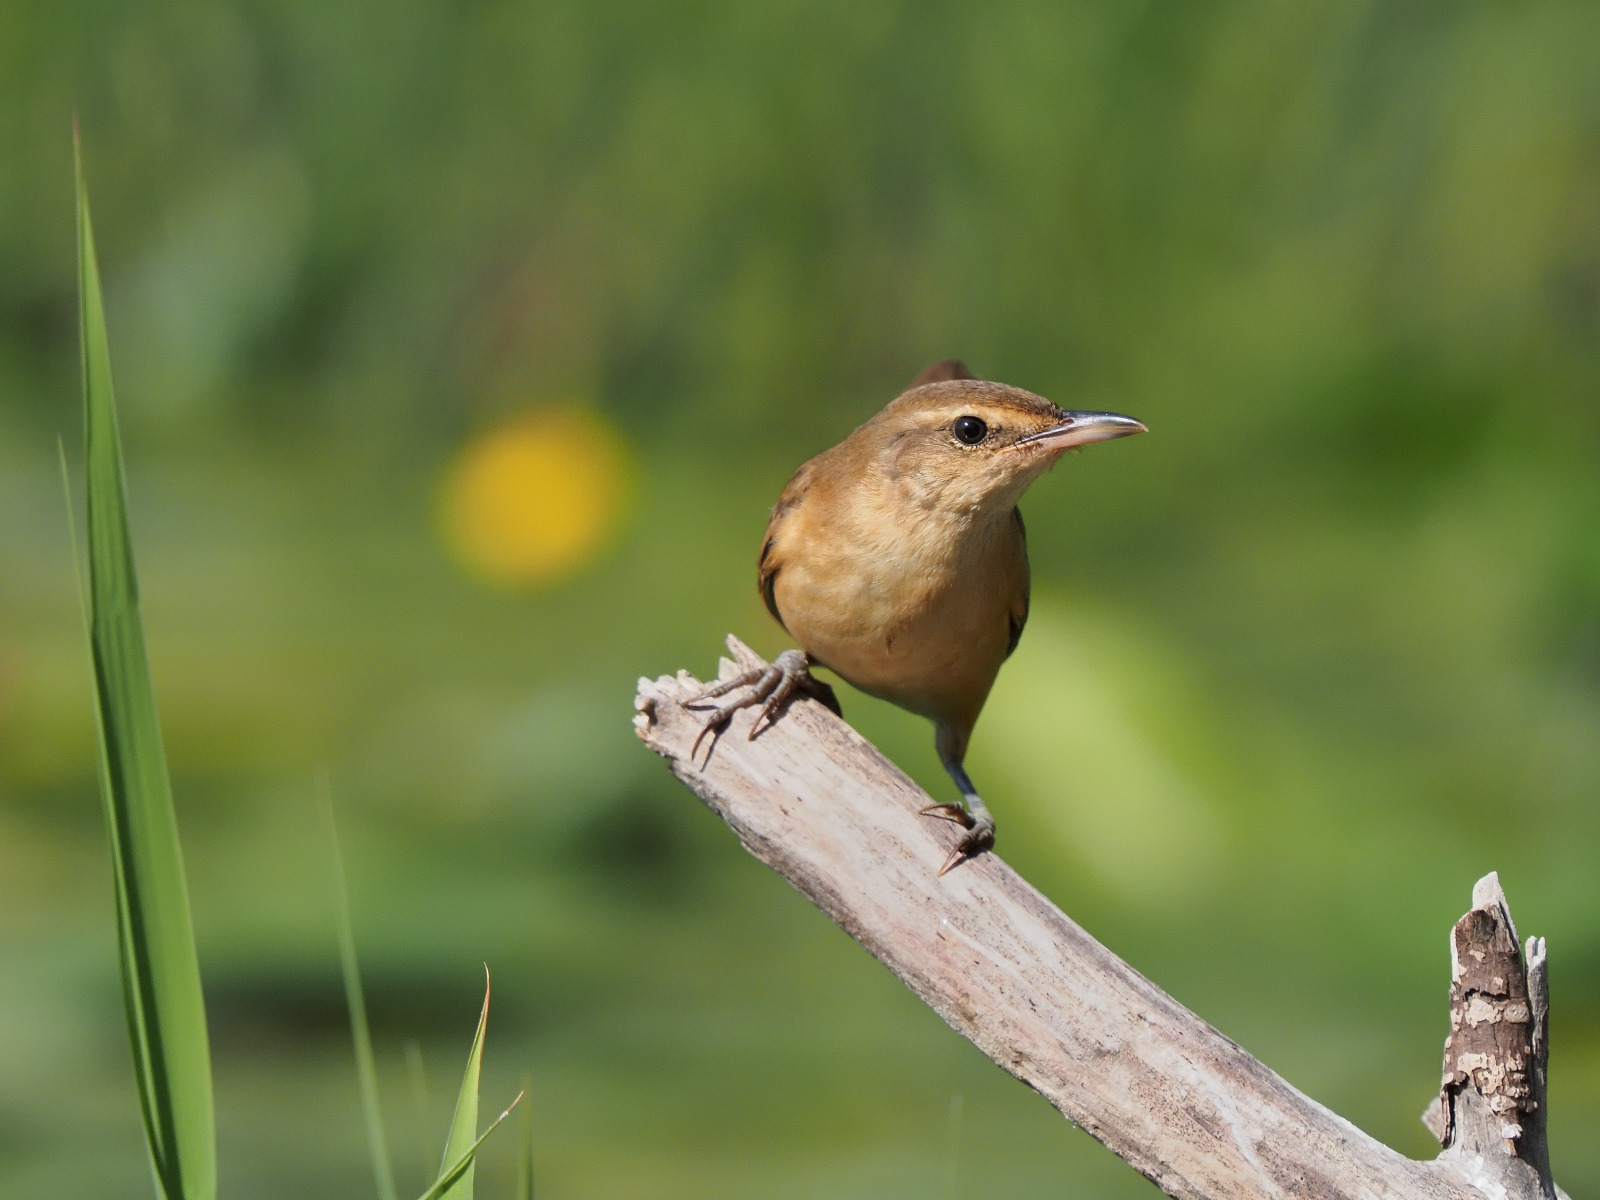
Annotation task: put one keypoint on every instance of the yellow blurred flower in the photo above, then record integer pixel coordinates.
(534, 498)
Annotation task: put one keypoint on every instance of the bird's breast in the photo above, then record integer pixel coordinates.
(907, 605)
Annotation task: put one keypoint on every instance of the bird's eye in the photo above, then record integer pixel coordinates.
(969, 430)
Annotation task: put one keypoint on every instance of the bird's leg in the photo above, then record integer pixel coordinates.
(769, 687)
(974, 816)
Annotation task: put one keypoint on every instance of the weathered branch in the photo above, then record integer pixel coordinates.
(1490, 1111)
(1184, 1105)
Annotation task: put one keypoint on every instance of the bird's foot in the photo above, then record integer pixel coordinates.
(770, 687)
(979, 826)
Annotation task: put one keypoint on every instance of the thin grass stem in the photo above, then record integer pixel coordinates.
(360, 1032)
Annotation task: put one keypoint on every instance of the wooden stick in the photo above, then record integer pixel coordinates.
(1185, 1106)
(1491, 1108)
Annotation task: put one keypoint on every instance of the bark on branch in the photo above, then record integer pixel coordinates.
(1490, 1111)
(1184, 1105)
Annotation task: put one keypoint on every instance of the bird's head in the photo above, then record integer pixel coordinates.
(967, 444)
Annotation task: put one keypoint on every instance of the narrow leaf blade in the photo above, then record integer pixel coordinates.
(360, 1033)
(464, 1125)
(451, 1176)
(525, 1157)
(160, 970)
(418, 1077)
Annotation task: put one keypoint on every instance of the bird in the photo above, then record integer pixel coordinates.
(898, 560)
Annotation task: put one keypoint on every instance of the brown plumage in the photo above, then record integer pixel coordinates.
(898, 559)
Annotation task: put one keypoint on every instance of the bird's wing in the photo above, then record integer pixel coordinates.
(1017, 616)
(771, 556)
(942, 371)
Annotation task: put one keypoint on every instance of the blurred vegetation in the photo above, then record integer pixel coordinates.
(1304, 662)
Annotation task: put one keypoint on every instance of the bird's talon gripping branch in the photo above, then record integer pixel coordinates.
(769, 687)
(956, 814)
(980, 837)
(979, 827)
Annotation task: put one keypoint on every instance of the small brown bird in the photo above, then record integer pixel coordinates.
(898, 560)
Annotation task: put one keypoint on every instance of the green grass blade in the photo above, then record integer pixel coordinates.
(366, 1068)
(464, 1125)
(418, 1077)
(525, 1158)
(160, 971)
(451, 1177)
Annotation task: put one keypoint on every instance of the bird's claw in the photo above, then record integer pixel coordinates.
(956, 814)
(978, 838)
(770, 686)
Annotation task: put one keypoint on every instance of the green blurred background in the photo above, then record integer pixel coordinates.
(1304, 662)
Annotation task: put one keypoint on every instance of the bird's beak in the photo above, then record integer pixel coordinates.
(1081, 428)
